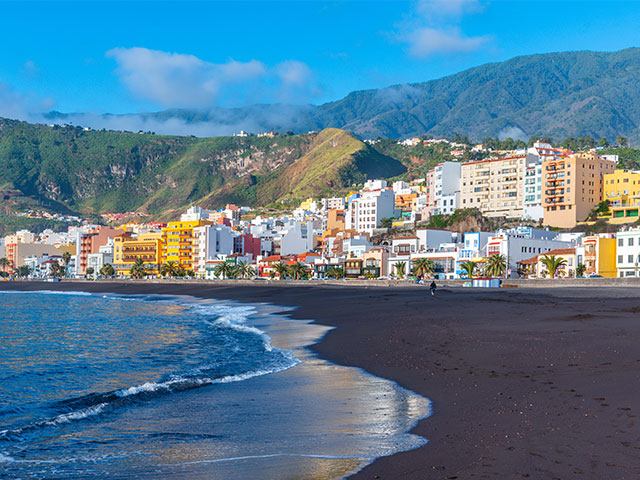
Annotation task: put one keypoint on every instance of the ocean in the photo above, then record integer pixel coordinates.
(115, 386)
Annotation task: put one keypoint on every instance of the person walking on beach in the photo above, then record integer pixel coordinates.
(433, 288)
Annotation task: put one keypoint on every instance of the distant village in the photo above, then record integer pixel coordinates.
(363, 234)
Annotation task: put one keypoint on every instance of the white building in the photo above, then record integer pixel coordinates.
(333, 203)
(517, 248)
(366, 212)
(628, 253)
(294, 239)
(194, 214)
(447, 187)
(532, 205)
(210, 241)
(101, 258)
(429, 240)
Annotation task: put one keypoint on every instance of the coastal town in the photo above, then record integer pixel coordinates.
(380, 230)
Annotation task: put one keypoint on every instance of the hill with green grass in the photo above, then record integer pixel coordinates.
(70, 169)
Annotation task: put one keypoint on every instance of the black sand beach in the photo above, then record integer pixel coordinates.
(525, 383)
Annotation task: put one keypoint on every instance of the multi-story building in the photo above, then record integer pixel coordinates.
(446, 187)
(495, 186)
(600, 255)
(628, 252)
(533, 192)
(127, 249)
(366, 212)
(178, 242)
(333, 203)
(210, 242)
(335, 220)
(622, 190)
(16, 251)
(90, 242)
(572, 187)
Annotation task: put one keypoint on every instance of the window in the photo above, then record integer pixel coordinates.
(630, 258)
(619, 258)
(620, 243)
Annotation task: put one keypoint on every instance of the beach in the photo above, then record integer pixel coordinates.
(525, 383)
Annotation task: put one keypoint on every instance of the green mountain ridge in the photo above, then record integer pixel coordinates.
(93, 172)
(555, 94)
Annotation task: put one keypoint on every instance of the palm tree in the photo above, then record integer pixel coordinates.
(225, 270)
(23, 271)
(423, 267)
(245, 270)
(553, 264)
(496, 265)
(66, 258)
(137, 270)
(90, 271)
(170, 269)
(281, 270)
(107, 270)
(4, 264)
(469, 268)
(298, 270)
(400, 269)
(56, 270)
(335, 272)
(580, 269)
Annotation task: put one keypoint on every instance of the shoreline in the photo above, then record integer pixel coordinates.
(525, 383)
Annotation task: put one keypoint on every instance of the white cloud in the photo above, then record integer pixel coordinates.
(516, 133)
(30, 69)
(21, 106)
(181, 80)
(435, 28)
(424, 42)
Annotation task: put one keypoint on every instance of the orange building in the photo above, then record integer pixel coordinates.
(91, 242)
(406, 202)
(572, 187)
(335, 220)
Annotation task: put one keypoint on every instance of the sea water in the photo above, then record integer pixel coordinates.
(109, 386)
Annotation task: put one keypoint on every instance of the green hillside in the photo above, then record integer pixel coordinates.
(68, 168)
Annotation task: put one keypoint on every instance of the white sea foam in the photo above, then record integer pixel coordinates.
(6, 458)
(50, 292)
(77, 415)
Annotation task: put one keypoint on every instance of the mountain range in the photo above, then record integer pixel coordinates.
(556, 94)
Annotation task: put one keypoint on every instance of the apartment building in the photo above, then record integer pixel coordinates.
(622, 190)
(178, 242)
(90, 242)
(210, 242)
(495, 186)
(446, 187)
(127, 249)
(628, 252)
(533, 192)
(366, 212)
(572, 187)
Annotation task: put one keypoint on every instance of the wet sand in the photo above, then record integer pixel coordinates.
(525, 383)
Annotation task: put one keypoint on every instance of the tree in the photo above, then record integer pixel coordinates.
(622, 141)
(335, 272)
(281, 270)
(604, 142)
(225, 270)
(244, 270)
(170, 269)
(90, 271)
(23, 271)
(386, 222)
(580, 269)
(138, 270)
(56, 270)
(107, 270)
(553, 264)
(66, 258)
(4, 264)
(400, 269)
(469, 268)
(496, 265)
(423, 267)
(298, 270)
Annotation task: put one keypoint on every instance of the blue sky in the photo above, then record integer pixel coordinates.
(124, 57)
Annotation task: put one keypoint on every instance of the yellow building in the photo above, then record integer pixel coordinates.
(622, 190)
(146, 246)
(600, 255)
(406, 202)
(572, 187)
(309, 204)
(178, 242)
